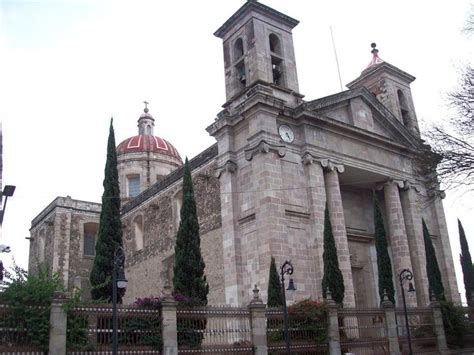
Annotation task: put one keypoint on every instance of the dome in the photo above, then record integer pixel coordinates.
(147, 143)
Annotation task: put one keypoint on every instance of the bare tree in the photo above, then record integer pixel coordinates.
(453, 143)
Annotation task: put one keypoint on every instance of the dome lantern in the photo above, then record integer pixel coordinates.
(146, 122)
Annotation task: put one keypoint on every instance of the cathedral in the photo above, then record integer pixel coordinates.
(262, 188)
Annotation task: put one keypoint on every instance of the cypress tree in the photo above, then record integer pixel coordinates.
(432, 267)
(466, 264)
(332, 278)
(275, 297)
(110, 228)
(384, 264)
(189, 278)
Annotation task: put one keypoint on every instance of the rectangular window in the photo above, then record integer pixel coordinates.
(89, 244)
(133, 185)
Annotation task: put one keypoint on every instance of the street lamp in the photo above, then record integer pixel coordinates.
(8, 191)
(406, 274)
(118, 281)
(286, 268)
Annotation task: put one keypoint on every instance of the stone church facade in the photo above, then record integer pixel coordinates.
(262, 188)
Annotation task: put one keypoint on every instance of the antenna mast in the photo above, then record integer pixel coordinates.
(337, 61)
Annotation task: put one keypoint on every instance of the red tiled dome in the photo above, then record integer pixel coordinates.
(147, 143)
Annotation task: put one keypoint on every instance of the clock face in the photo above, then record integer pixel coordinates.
(286, 133)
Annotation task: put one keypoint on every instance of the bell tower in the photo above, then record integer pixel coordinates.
(256, 145)
(258, 48)
(391, 86)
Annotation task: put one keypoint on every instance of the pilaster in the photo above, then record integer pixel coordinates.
(230, 235)
(398, 237)
(336, 214)
(270, 222)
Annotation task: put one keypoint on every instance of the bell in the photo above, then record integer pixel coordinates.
(291, 286)
(411, 288)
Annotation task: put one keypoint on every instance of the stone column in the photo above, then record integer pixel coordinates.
(317, 201)
(258, 323)
(414, 231)
(58, 325)
(391, 326)
(230, 236)
(439, 327)
(336, 214)
(169, 323)
(334, 339)
(445, 260)
(397, 237)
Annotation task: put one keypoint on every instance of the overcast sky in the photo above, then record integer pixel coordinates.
(66, 67)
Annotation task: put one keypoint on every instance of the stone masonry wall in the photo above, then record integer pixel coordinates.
(150, 268)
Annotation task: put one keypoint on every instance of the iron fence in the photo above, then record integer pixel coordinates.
(16, 331)
(214, 330)
(90, 329)
(363, 331)
(422, 329)
(307, 335)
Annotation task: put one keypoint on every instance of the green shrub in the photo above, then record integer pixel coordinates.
(455, 323)
(77, 337)
(29, 299)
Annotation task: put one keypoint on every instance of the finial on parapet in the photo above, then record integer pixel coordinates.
(375, 55)
(168, 292)
(385, 300)
(256, 296)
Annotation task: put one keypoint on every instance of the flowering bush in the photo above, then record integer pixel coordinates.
(309, 319)
(314, 310)
(151, 302)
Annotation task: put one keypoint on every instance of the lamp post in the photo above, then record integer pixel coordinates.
(407, 275)
(286, 268)
(118, 281)
(8, 191)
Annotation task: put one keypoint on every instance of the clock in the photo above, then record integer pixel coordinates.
(286, 133)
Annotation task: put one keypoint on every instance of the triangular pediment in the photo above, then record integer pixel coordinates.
(359, 110)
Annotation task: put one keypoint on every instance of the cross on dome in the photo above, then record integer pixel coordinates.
(146, 106)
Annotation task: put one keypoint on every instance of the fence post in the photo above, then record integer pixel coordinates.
(391, 325)
(334, 339)
(58, 325)
(258, 324)
(439, 326)
(168, 323)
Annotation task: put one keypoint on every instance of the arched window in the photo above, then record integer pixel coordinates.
(275, 46)
(238, 48)
(90, 234)
(138, 231)
(403, 107)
